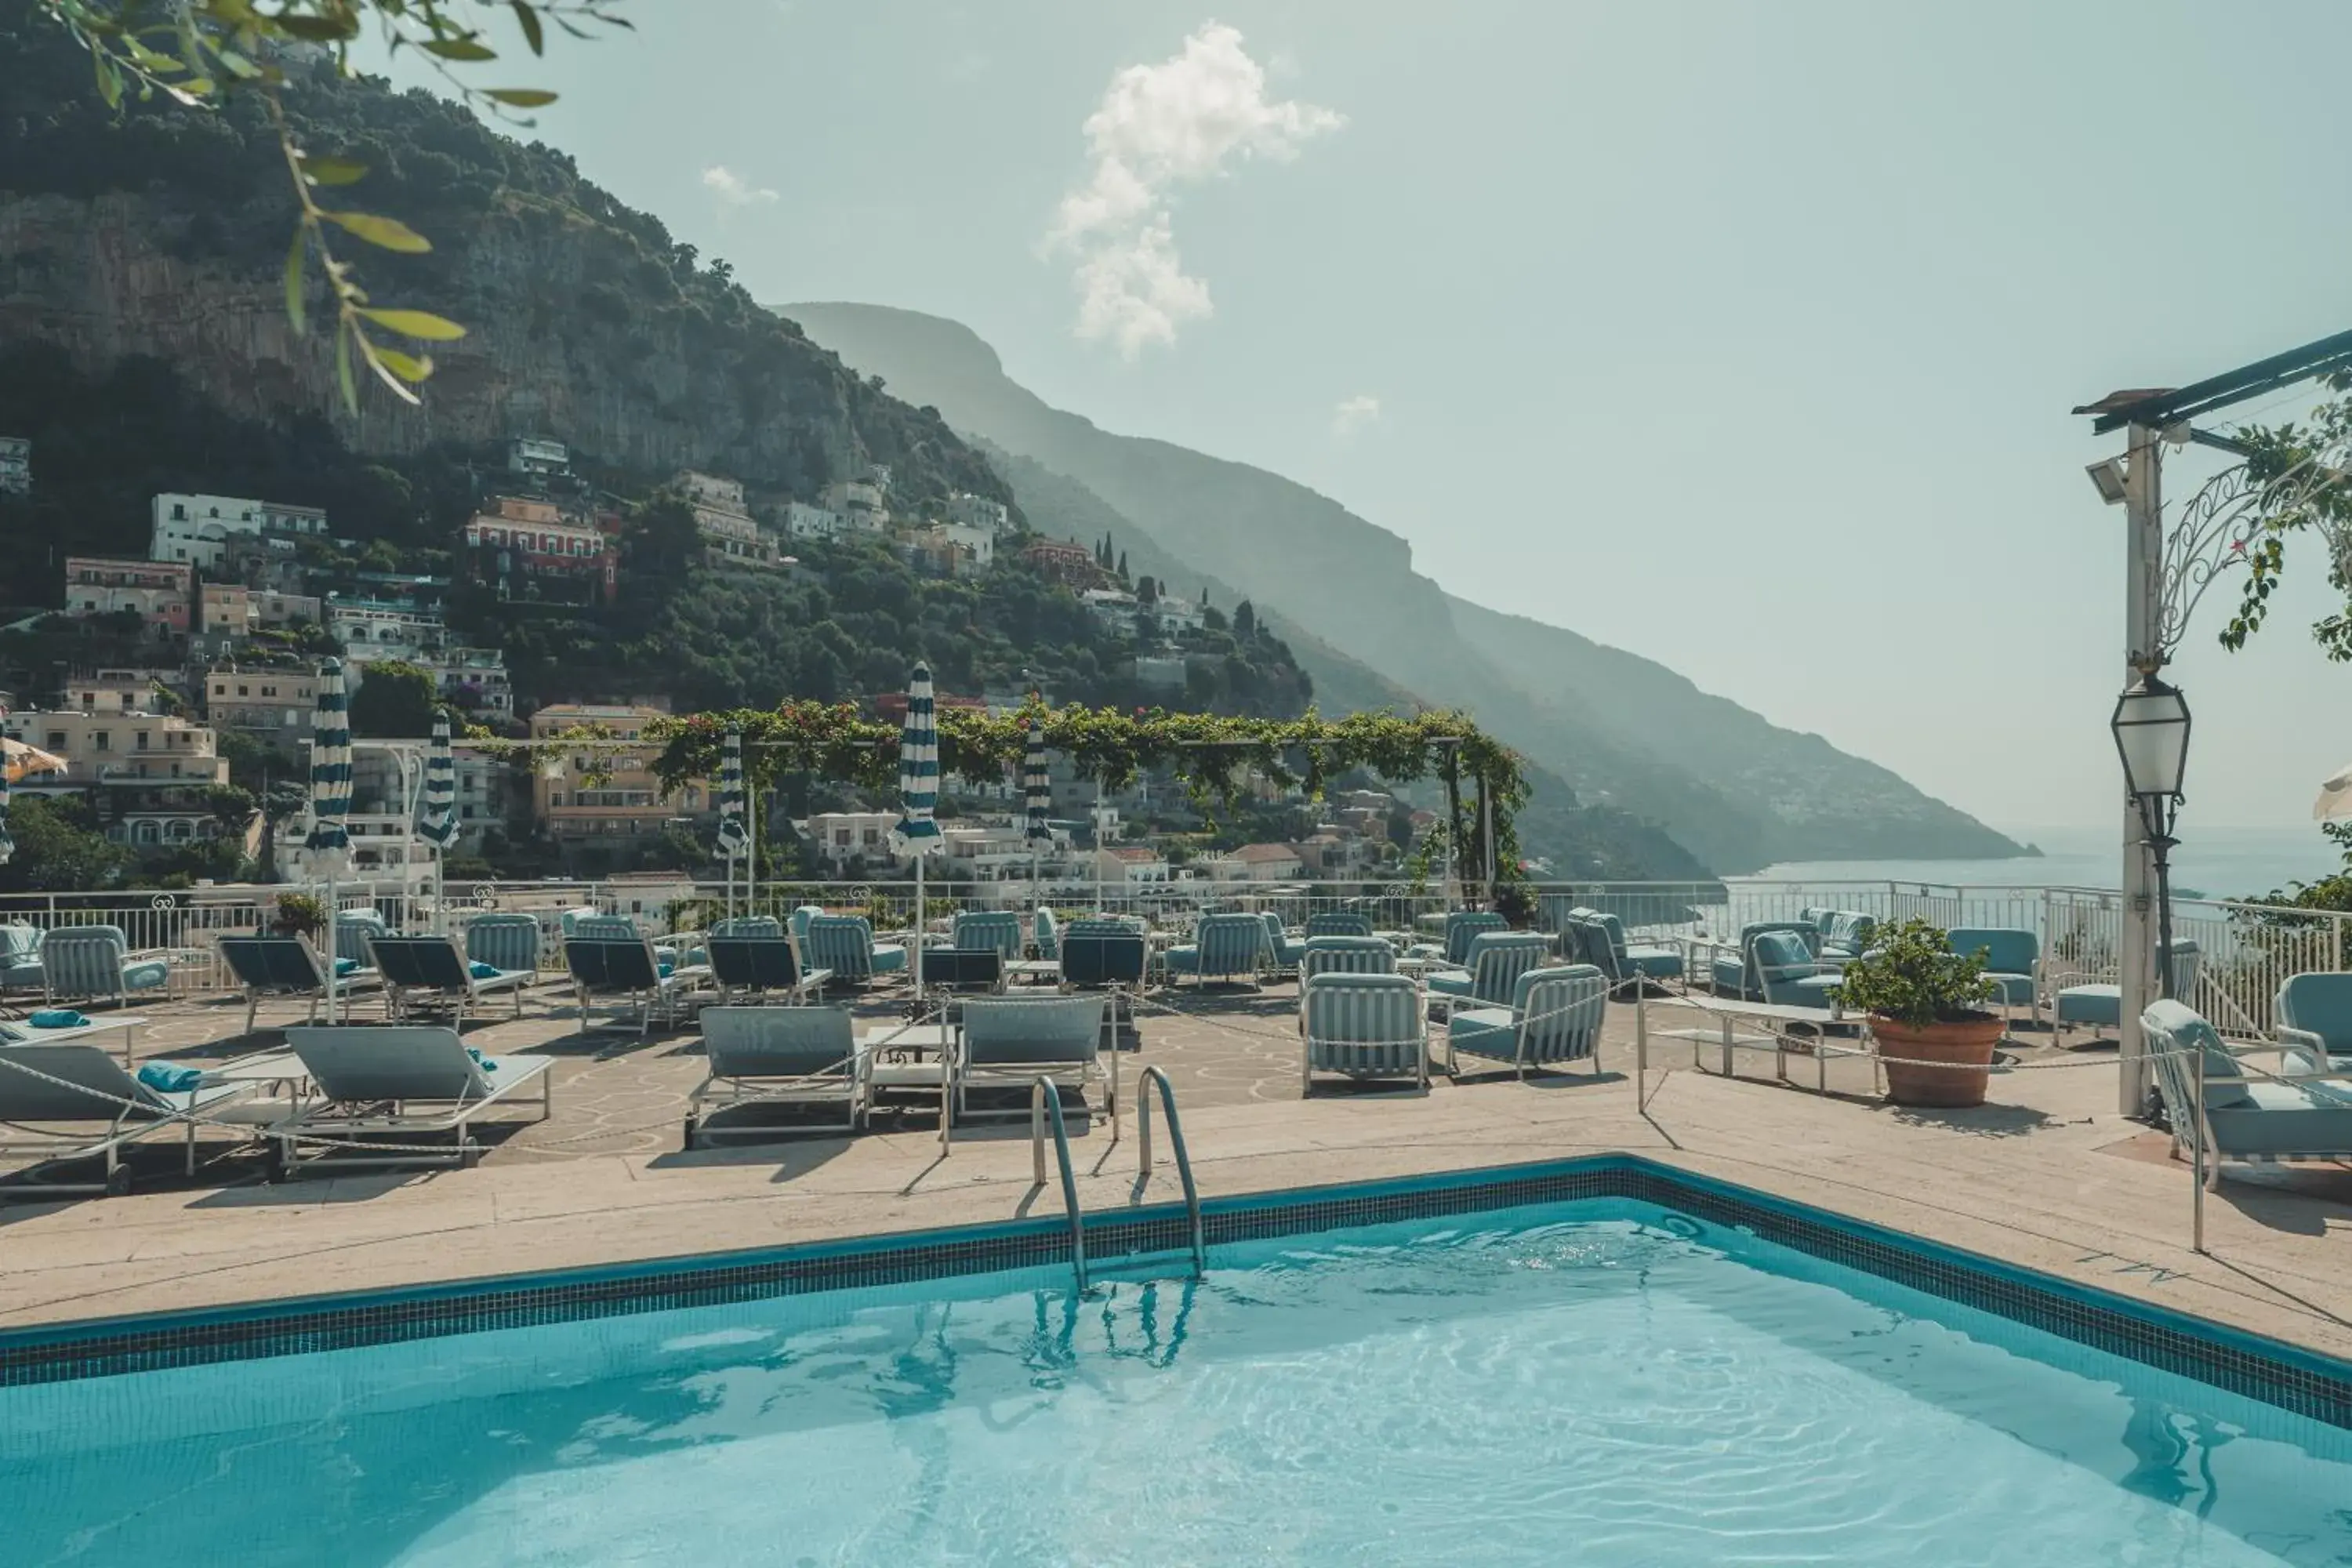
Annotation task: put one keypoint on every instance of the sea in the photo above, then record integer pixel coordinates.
(2210, 862)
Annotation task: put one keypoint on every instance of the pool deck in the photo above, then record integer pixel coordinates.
(2047, 1175)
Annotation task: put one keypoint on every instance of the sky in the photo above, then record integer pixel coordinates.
(1738, 336)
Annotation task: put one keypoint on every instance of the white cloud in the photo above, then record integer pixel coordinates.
(1160, 127)
(732, 189)
(1353, 414)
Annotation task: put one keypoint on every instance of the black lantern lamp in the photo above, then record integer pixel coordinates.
(2151, 729)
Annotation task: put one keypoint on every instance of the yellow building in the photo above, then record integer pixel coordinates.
(572, 804)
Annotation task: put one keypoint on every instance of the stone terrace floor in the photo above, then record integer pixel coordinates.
(2046, 1175)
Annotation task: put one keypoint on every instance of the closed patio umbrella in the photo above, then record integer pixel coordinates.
(918, 833)
(2334, 800)
(330, 793)
(1037, 791)
(732, 838)
(438, 827)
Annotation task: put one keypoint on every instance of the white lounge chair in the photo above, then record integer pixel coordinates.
(776, 1055)
(75, 1084)
(415, 966)
(401, 1081)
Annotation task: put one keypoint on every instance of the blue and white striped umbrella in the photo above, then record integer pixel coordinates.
(8, 845)
(918, 769)
(331, 766)
(1037, 786)
(439, 826)
(733, 839)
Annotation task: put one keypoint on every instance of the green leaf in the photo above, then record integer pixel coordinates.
(459, 49)
(522, 97)
(408, 367)
(418, 324)
(529, 20)
(387, 232)
(294, 278)
(343, 370)
(332, 171)
(110, 80)
(317, 29)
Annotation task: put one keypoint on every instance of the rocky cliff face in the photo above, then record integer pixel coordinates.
(163, 234)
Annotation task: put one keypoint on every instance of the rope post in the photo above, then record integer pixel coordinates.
(2197, 1160)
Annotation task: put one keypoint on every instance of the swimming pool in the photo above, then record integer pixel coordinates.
(1604, 1381)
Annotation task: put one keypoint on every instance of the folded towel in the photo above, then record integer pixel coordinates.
(57, 1018)
(481, 971)
(481, 1061)
(167, 1078)
(345, 966)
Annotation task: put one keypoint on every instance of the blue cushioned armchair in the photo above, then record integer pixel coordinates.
(1497, 959)
(2315, 1021)
(2085, 1002)
(81, 962)
(1555, 1015)
(2012, 963)
(2247, 1114)
(1731, 972)
(1229, 946)
(1361, 1026)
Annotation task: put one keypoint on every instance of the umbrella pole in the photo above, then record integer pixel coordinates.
(334, 946)
(1099, 847)
(751, 848)
(915, 947)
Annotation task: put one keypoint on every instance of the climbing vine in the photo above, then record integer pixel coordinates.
(1213, 755)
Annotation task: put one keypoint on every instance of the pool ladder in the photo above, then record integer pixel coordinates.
(1045, 1111)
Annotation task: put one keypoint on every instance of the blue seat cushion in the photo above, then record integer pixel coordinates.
(148, 974)
(1183, 960)
(889, 958)
(1811, 990)
(1729, 975)
(1489, 1032)
(1657, 962)
(2091, 1005)
(2014, 990)
(2285, 1118)
(1454, 983)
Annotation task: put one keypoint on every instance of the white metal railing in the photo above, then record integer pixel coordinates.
(2247, 949)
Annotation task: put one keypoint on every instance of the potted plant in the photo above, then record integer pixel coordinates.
(298, 914)
(1922, 998)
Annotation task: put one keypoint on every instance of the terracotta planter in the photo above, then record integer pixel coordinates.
(1966, 1043)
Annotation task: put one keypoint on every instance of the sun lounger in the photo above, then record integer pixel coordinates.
(759, 965)
(288, 966)
(417, 967)
(1099, 953)
(2247, 1114)
(1361, 1026)
(1555, 1015)
(776, 1055)
(75, 1084)
(629, 968)
(1017, 1039)
(399, 1082)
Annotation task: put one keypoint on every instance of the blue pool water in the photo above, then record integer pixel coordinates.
(1600, 1382)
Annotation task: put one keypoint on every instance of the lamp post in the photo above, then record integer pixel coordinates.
(2151, 731)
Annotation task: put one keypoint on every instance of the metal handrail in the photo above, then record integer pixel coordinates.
(1183, 1159)
(1045, 1097)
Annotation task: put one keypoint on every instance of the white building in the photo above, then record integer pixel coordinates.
(1132, 864)
(1177, 615)
(725, 521)
(980, 541)
(370, 630)
(859, 501)
(196, 528)
(803, 521)
(531, 456)
(1114, 607)
(968, 511)
(839, 836)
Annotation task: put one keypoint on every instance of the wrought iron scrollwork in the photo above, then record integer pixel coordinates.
(2215, 532)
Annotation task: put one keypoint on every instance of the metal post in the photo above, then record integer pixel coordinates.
(2144, 585)
(2196, 1119)
(750, 846)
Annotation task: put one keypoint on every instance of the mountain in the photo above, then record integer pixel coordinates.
(1737, 791)
(163, 232)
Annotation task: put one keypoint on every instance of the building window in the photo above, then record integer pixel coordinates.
(99, 741)
(139, 740)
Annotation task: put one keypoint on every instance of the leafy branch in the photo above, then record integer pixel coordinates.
(198, 52)
(2321, 502)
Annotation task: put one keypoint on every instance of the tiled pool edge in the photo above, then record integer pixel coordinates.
(2278, 1373)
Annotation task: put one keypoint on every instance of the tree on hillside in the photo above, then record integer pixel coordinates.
(394, 700)
(1122, 565)
(60, 849)
(1244, 621)
(198, 53)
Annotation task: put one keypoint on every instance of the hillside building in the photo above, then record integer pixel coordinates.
(144, 771)
(159, 592)
(261, 700)
(965, 510)
(1070, 564)
(196, 529)
(16, 466)
(234, 610)
(530, 548)
(628, 800)
(725, 521)
(841, 837)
